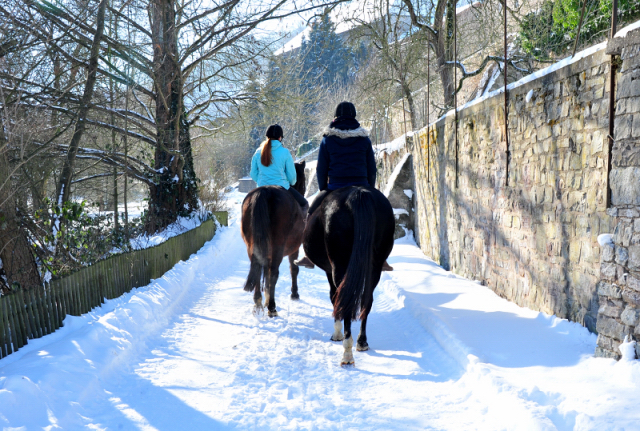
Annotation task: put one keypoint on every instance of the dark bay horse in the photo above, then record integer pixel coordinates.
(272, 227)
(350, 236)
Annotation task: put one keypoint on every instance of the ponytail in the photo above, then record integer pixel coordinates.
(265, 153)
(274, 132)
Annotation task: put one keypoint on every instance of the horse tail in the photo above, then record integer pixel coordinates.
(260, 227)
(357, 279)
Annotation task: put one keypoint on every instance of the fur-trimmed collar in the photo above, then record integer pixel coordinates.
(345, 134)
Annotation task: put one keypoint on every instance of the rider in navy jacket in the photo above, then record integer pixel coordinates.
(345, 157)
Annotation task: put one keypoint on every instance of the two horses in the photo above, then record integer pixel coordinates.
(349, 237)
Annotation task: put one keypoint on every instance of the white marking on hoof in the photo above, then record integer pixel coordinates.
(347, 358)
(273, 313)
(337, 331)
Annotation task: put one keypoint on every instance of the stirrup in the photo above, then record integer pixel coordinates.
(304, 262)
(386, 266)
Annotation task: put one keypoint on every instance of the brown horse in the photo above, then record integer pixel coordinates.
(350, 236)
(272, 227)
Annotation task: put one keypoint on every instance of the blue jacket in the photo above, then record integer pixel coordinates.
(281, 171)
(345, 158)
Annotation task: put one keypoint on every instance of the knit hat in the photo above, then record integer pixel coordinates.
(346, 110)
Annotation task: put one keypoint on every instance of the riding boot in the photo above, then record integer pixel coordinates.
(305, 260)
(386, 266)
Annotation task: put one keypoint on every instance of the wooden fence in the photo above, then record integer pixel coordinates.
(29, 314)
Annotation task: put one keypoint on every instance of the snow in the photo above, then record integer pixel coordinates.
(394, 145)
(605, 238)
(400, 211)
(540, 73)
(529, 96)
(623, 31)
(627, 349)
(186, 352)
(394, 175)
(409, 193)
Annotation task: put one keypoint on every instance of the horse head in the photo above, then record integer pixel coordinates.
(301, 184)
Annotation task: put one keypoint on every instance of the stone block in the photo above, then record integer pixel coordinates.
(609, 290)
(633, 282)
(608, 271)
(611, 328)
(630, 316)
(627, 212)
(624, 185)
(636, 126)
(631, 297)
(628, 86)
(621, 255)
(610, 310)
(634, 257)
(608, 253)
(603, 353)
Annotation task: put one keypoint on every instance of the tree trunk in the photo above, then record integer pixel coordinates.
(63, 192)
(412, 111)
(175, 192)
(18, 261)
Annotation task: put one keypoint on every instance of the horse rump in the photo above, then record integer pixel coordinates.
(357, 279)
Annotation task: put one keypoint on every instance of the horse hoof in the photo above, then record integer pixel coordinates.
(273, 313)
(258, 311)
(347, 363)
(362, 347)
(295, 296)
(337, 337)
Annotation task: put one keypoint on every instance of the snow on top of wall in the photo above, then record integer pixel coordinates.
(461, 9)
(543, 72)
(623, 32)
(394, 145)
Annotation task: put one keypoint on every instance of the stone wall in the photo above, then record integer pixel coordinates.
(395, 179)
(533, 240)
(619, 289)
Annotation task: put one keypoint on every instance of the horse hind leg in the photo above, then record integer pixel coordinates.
(347, 343)
(270, 290)
(362, 344)
(294, 275)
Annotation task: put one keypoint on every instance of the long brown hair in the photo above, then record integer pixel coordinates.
(274, 132)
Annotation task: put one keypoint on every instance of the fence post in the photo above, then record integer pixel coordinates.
(6, 327)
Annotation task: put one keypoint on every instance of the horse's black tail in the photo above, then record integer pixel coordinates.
(357, 279)
(260, 227)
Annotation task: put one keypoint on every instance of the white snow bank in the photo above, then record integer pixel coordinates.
(605, 238)
(186, 352)
(396, 171)
(623, 31)
(394, 145)
(627, 349)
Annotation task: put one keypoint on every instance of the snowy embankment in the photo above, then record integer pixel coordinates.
(186, 352)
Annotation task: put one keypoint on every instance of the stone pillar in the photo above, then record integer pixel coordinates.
(619, 286)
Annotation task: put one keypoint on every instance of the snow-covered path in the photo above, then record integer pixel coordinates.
(187, 353)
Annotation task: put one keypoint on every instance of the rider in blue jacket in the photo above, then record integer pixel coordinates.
(345, 158)
(272, 165)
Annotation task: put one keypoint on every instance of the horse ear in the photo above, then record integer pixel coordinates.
(303, 163)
